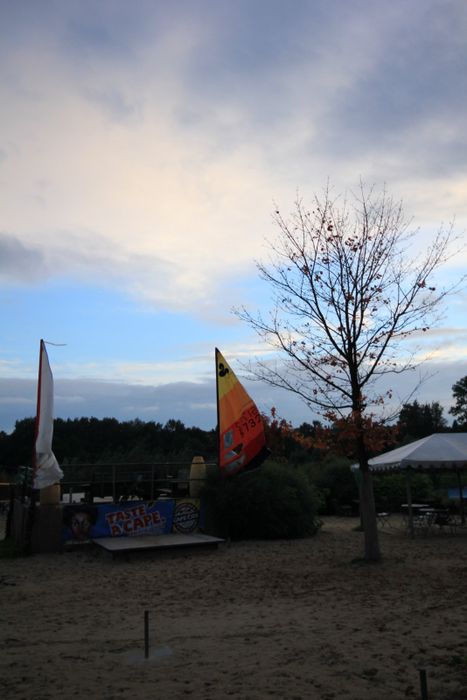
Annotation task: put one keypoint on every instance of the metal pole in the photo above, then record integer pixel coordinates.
(409, 502)
(146, 634)
(461, 497)
(114, 488)
(423, 684)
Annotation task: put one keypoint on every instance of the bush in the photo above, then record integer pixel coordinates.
(334, 478)
(272, 502)
(9, 549)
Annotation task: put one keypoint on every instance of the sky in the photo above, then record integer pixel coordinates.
(143, 149)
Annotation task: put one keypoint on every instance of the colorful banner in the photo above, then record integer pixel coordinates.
(187, 517)
(84, 522)
(242, 443)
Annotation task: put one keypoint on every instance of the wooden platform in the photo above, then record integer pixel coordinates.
(125, 545)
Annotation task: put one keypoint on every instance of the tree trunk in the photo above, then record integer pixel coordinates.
(367, 498)
(368, 515)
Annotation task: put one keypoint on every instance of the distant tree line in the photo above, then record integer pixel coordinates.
(94, 441)
(107, 440)
(316, 454)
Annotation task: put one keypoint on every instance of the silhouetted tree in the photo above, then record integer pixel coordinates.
(419, 420)
(459, 410)
(345, 294)
(93, 441)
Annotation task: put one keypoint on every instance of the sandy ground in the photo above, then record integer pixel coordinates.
(284, 619)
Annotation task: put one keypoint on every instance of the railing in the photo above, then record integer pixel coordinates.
(123, 481)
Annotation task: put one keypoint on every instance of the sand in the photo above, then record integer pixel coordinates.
(284, 619)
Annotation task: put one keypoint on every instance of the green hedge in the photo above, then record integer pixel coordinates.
(335, 481)
(272, 502)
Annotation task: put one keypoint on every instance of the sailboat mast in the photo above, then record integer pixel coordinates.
(38, 411)
(218, 430)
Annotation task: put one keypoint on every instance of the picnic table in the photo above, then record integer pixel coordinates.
(415, 507)
(427, 519)
(432, 518)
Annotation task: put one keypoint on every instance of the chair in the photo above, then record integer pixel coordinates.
(423, 522)
(442, 520)
(383, 519)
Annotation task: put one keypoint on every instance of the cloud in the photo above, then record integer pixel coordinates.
(142, 148)
(149, 279)
(194, 403)
(18, 262)
(146, 147)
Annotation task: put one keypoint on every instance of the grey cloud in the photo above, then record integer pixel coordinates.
(116, 105)
(363, 75)
(19, 262)
(88, 252)
(381, 83)
(95, 36)
(88, 257)
(194, 403)
(18, 400)
(409, 99)
(84, 256)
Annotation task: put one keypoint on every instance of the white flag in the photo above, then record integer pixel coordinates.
(47, 471)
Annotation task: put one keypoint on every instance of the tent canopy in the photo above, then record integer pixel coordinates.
(438, 451)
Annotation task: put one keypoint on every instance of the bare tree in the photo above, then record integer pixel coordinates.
(346, 294)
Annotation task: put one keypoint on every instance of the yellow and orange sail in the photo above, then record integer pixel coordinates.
(242, 444)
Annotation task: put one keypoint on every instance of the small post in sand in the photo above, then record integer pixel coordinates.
(423, 684)
(409, 501)
(146, 634)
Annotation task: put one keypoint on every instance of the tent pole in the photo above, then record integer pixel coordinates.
(461, 496)
(408, 475)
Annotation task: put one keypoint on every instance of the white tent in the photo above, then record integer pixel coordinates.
(437, 452)
(446, 451)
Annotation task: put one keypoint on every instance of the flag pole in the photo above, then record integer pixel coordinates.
(216, 351)
(227, 524)
(38, 411)
(31, 516)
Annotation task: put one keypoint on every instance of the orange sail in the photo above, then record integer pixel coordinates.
(242, 444)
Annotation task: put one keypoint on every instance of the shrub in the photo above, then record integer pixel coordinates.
(272, 502)
(334, 478)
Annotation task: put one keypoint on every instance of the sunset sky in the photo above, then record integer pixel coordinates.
(143, 148)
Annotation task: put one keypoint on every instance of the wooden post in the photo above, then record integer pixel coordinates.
(114, 486)
(423, 684)
(409, 501)
(146, 634)
(9, 517)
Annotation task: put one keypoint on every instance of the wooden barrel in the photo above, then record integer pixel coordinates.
(50, 496)
(197, 476)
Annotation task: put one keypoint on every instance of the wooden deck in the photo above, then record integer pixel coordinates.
(126, 545)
